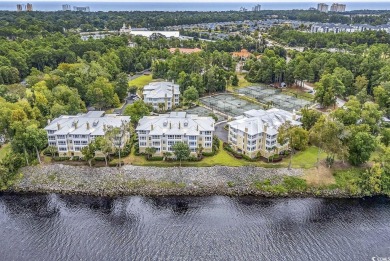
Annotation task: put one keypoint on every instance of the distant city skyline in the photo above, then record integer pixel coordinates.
(207, 1)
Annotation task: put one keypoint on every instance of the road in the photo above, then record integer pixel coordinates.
(221, 133)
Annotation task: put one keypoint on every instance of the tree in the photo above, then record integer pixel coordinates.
(101, 94)
(360, 147)
(121, 86)
(166, 155)
(181, 151)
(149, 151)
(327, 89)
(385, 136)
(89, 152)
(326, 135)
(52, 150)
(104, 145)
(235, 80)
(309, 118)
(191, 95)
(137, 110)
(35, 138)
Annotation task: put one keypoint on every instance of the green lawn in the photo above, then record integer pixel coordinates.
(4, 150)
(305, 159)
(141, 81)
(242, 82)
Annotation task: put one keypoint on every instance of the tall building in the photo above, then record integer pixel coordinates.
(322, 7)
(163, 131)
(29, 7)
(70, 134)
(256, 132)
(19, 7)
(162, 95)
(256, 8)
(81, 8)
(66, 7)
(337, 7)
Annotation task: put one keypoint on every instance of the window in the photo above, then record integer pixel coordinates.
(84, 142)
(155, 137)
(207, 144)
(52, 144)
(207, 138)
(76, 136)
(170, 143)
(62, 149)
(156, 143)
(192, 143)
(77, 142)
(171, 136)
(142, 132)
(62, 137)
(77, 148)
(142, 138)
(206, 132)
(177, 137)
(61, 142)
(142, 144)
(52, 138)
(191, 137)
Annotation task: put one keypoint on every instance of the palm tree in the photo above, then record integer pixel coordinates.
(149, 151)
(167, 154)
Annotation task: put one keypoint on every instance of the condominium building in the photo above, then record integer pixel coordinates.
(70, 134)
(29, 7)
(337, 7)
(257, 130)
(164, 130)
(322, 7)
(66, 7)
(162, 95)
(81, 8)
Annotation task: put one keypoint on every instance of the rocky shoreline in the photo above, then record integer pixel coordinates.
(153, 181)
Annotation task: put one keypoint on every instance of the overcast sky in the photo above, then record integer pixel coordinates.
(244, 1)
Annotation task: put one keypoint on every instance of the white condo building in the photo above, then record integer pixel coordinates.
(257, 130)
(164, 94)
(70, 134)
(164, 130)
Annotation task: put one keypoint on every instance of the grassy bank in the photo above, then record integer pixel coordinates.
(141, 81)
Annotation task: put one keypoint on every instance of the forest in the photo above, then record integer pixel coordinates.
(46, 71)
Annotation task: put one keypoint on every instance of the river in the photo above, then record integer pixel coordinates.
(56, 227)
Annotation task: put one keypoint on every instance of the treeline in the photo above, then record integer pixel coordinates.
(30, 24)
(363, 73)
(328, 40)
(206, 71)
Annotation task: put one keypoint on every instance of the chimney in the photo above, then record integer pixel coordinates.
(246, 130)
(151, 126)
(58, 126)
(197, 127)
(104, 127)
(179, 125)
(265, 127)
(88, 125)
(170, 125)
(48, 121)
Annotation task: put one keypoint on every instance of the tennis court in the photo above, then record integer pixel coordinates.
(229, 104)
(201, 111)
(274, 97)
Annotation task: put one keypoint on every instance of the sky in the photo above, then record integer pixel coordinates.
(194, 1)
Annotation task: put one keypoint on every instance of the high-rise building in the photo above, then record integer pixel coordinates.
(81, 8)
(337, 7)
(256, 8)
(19, 7)
(322, 7)
(29, 7)
(66, 7)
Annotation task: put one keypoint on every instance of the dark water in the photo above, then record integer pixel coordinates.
(58, 227)
(187, 6)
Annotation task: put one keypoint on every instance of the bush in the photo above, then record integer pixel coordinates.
(156, 158)
(61, 158)
(100, 159)
(114, 163)
(76, 158)
(193, 158)
(208, 154)
(295, 184)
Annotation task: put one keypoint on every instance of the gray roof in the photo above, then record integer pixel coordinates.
(91, 123)
(175, 123)
(255, 121)
(160, 89)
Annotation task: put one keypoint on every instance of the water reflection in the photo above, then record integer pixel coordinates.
(56, 227)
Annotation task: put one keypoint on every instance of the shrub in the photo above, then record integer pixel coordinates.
(294, 184)
(156, 158)
(208, 154)
(100, 159)
(193, 158)
(61, 158)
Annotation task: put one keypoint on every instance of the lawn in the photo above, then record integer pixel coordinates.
(242, 82)
(305, 159)
(141, 81)
(4, 150)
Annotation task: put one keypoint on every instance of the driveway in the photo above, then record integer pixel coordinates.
(221, 133)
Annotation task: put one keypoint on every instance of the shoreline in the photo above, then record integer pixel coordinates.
(158, 182)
